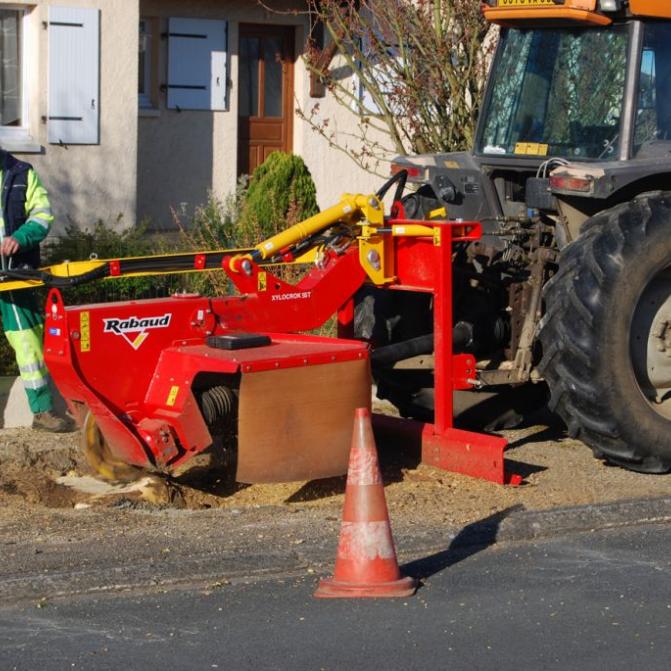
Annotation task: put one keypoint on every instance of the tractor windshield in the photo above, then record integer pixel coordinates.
(556, 92)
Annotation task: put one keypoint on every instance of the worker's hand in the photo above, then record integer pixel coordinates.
(9, 246)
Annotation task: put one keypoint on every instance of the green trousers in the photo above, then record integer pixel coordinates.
(23, 323)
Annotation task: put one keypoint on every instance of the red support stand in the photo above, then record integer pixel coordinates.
(345, 317)
(443, 446)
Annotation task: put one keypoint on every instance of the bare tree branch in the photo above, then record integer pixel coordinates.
(422, 66)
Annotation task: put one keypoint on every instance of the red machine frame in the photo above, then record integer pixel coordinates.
(152, 428)
(424, 264)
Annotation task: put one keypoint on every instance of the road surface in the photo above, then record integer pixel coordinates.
(588, 601)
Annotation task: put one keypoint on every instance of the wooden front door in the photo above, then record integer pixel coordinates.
(265, 93)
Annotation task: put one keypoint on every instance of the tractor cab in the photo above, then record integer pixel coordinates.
(579, 95)
(583, 93)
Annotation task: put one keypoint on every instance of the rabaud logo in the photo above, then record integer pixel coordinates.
(137, 326)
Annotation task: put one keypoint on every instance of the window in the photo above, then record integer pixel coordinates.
(382, 70)
(653, 114)
(248, 76)
(14, 71)
(145, 87)
(260, 76)
(557, 92)
(378, 59)
(10, 67)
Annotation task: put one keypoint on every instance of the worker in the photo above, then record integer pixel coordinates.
(25, 220)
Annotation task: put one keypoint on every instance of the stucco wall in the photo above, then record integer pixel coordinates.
(166, 159)
(90, 182)
(333, 171)
(183, 154)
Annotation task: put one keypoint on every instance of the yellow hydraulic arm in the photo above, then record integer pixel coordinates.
(352, 209)
(362, 214)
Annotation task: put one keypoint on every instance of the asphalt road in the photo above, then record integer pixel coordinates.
(590, 601)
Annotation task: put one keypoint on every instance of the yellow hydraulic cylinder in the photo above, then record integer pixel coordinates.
(351, 208)
(347, 209)
(411, 231)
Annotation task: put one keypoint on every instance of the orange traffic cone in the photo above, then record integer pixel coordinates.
(366, 564)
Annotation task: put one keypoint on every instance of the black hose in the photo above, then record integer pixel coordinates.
(400, 178)
(54, 281)
(388, 355)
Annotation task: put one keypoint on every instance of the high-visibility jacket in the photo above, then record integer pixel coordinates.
(25, 212)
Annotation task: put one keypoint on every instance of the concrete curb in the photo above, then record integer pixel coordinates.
(14, 410)
(540, 524)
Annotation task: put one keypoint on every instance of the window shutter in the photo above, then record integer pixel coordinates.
(197, 64)
(367, 103)
(74, 76)
(384, 77)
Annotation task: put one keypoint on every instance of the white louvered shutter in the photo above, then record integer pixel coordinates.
(197, 64)
(367, 104)
(74, 76)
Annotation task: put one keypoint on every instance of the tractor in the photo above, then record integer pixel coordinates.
(570, 177)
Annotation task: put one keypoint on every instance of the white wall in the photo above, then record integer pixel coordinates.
(90, 182)
(184, 154)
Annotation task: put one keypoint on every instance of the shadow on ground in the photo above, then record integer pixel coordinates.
(473, 538)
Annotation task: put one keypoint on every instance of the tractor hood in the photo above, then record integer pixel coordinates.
(585, 12)
(509, 12)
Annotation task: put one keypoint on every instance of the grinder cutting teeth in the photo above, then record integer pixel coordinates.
(99, 457)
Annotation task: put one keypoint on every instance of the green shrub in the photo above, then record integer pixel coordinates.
(281, 192)
(7, 360)
(214, 226)
(104, 242)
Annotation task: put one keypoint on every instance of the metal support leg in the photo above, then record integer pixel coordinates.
(442, 446)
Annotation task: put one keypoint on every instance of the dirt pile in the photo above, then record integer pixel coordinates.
(46, 471)
(31, 461)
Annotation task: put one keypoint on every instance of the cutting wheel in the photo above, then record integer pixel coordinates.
(98, 455)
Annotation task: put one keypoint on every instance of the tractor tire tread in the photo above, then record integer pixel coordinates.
(576, 319)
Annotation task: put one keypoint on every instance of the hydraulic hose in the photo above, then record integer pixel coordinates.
(54, 281)
(388, 355)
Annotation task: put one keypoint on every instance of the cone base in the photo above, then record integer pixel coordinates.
(329, 588)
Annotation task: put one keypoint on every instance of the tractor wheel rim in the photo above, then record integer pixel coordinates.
(650, 343)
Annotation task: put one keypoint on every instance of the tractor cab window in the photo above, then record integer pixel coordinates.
(652, 134)
(556, 92)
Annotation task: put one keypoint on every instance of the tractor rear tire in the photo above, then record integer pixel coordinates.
(598, 330)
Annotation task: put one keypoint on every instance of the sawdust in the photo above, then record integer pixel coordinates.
(46, 471)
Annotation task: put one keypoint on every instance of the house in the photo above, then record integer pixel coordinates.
(135, 108)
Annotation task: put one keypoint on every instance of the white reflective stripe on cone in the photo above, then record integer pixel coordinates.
(366, 540)
(363, 468)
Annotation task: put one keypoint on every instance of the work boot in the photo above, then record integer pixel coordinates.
(47, 421)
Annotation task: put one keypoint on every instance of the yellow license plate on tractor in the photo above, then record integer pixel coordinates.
(524, 3)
